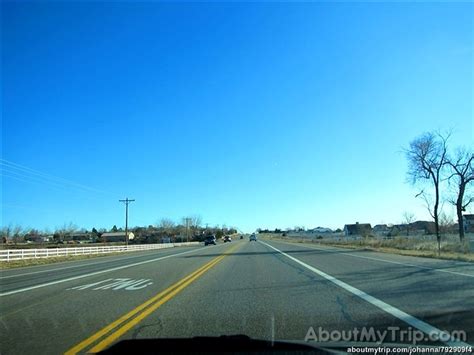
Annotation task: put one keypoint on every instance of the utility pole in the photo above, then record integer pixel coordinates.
(188, 220)
(126, 201)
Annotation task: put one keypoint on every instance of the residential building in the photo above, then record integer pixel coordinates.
(468, 222)
(114, 237)
(381, 229)
(361, 229)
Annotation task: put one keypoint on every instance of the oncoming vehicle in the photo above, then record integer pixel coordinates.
(227, 238)
(210, 240)
(253, 238)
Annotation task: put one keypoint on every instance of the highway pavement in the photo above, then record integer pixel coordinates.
(267, 289)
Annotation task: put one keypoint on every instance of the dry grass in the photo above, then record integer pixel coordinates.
(53, 245)
(451, 248)
(44, 261)
(426, 253)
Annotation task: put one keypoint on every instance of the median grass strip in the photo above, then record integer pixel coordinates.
(116, 329)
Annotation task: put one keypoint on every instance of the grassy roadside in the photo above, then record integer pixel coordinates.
(55, 246)
(44, 261)
(379, 247)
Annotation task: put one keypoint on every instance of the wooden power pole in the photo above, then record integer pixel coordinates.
(126, 201)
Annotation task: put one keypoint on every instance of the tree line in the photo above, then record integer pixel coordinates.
(188, 228)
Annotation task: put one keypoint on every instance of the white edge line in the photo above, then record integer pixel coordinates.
(92, 274)
(405, 317)
(342, 252)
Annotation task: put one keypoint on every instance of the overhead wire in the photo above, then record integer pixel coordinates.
(25, 174)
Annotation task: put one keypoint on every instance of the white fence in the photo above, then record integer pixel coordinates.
(21, 254)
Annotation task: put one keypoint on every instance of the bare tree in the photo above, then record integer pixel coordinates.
(446, 222)
(408, 218)
(426, 160)
(190, 225)
(196, 221)
(65, 231)
(167, 225)
(6, 233)
(18, 234)
(462, 173)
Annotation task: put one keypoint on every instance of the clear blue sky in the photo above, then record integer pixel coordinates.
(250, 115)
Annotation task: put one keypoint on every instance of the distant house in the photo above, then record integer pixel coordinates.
(415, 228)
(423, 227)
(381, 229)
(468, 221)
(320, 230)
(81, 237)
(113, 237)
(47, 238)
(33, 238)
(361, 229)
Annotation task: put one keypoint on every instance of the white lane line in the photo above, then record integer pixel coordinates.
(81, 265)
(405, 317)
(384, 260)
(93, 274)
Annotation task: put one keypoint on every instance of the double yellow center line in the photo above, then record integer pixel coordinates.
(116, 329)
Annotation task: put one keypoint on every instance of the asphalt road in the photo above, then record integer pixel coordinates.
(266, 289)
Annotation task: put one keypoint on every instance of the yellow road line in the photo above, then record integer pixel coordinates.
(104, 331)
(160, 298)
(129, 325)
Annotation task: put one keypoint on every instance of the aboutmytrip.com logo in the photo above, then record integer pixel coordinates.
(387, 335)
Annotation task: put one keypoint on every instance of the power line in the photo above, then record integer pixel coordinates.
(51, 185)
(26, 172)
(20, 176)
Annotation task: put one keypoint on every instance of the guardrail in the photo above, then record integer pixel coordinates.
(22, 254)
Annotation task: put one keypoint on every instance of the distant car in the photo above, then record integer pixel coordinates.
(210, 240)
(241, 237)
(253, 238)
(227, 238)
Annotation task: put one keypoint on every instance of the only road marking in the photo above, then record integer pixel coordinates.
(116, 284)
